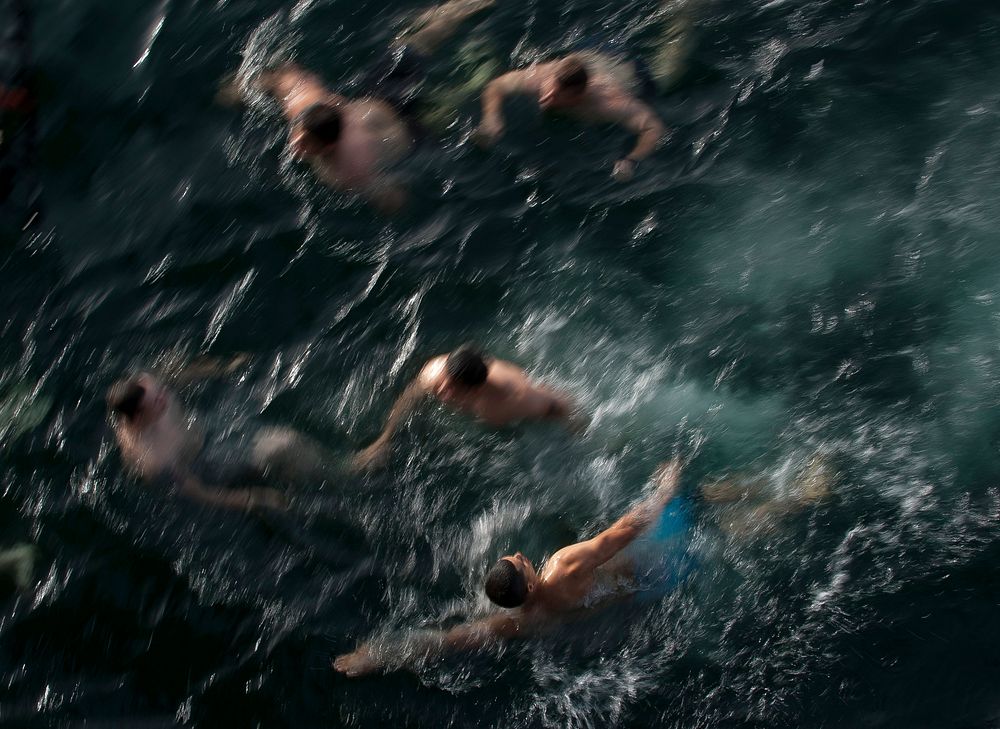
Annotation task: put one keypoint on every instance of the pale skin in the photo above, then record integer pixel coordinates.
(159, 439)
(557, 591)
(508, 396)
(746, 509)
(372, 138)
(602, 100)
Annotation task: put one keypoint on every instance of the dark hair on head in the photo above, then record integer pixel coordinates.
(572, 74)
(124, 397)
(322, 122)
(505, 585)
(466, 366)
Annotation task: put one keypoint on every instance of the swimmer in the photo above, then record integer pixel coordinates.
(351, 143)
(159, 442)
(578, 577)
(494, 391)
(589, 85)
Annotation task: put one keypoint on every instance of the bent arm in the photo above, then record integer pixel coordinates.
(421, 646)
(401, 409)
(496, 91)
(595, 552)
(639, 118)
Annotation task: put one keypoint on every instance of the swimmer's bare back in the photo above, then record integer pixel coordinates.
(557, 592)
(372, 138)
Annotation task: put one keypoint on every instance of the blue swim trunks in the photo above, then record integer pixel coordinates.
(662, 555)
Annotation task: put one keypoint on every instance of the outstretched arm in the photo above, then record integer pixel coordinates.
(245, 499)
(594, 552)
(492, 126)
(641, 119)
(204, 368)
(421, 646)
(376, 453)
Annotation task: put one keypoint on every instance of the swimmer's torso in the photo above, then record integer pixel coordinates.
(373, 139)
(568, 591)
(167, 444)
(611, 87)
(511, 396)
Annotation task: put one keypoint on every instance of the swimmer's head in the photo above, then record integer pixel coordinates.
(315, 131)
(125, 398)
(510, 581)
(567, 85)
(136, 397)
(466, 367)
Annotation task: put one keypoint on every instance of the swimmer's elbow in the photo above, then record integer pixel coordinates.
(652, 128)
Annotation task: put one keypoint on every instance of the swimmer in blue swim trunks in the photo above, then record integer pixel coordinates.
(351, 143)
(577, 577)
(161, 444)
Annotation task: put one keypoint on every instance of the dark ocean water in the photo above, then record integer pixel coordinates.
(808, 266)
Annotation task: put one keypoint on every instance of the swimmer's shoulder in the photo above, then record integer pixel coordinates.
(507, 370)
(367, 109)
(432, 373)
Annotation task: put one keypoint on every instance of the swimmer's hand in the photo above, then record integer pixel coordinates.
(624, 169)
(489, 131)
(358, 663)
(261, 498)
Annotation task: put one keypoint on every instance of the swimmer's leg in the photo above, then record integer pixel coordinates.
(669, 60)
(811, 486)
(732, 489)
(742, 521)
(434, 26)
(288, 454)
(17, 564)
(813, 483)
